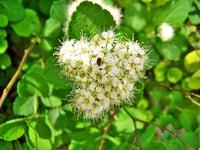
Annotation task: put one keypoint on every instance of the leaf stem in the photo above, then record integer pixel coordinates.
(16, 75)
(161, 127)
(106, 130)
(188, 95)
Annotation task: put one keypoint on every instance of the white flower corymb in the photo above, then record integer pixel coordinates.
(105, 71)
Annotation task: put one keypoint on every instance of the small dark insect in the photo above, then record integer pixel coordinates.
(99, 61)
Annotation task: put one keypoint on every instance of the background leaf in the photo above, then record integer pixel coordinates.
(30, 25)
(174, 13)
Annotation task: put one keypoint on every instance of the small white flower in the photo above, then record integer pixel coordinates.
(165, 32)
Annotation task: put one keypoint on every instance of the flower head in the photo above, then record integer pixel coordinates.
(105, 71)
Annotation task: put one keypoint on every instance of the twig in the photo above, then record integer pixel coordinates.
(161, 127)
(16, 75)
(136, 134)
(186, 94)
(106, 130)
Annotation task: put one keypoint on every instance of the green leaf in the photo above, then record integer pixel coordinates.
(12, 129)
(3, 33)
(160, 70)
(32, 136)
(136, 16)
(24, 105)
(192, 61)
(45, 6)
(46, 45)
(122, 121)
(194, 82)
(191, 138)
(58, 10)
(5, 145)
(95, 19)
(51, 101)
(4, 20)
(156, 146)
(3, 45)
(5, 61)
(40, 133)
(188, 120)
(148, 135)
(173, 49)
(52, 28)
(53, 73)
(195, 18)
(174, 13)
(43, 129)
(9, 7)
(33, 83)
(174, 75)
(30, 25)
(175, 144)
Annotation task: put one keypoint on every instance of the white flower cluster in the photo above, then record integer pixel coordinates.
(165, 32)
(105, 71)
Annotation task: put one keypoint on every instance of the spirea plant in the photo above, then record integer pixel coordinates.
(99, 74)
(105, 71)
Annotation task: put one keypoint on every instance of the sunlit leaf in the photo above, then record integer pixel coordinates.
(12, 129)
(95, 18)
(192, 61)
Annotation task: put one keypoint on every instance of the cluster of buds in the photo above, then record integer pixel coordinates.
(105, 72)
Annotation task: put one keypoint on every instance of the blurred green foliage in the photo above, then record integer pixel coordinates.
(37, 112)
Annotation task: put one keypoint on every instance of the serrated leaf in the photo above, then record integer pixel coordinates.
(95, 19)
(136, 16)
(5, 61)
(12, 129)
(192, 61)
(51, 101)
(4, 20)
(30, 25)
(24, 105)
(9, 8)
(174, 13)
(3, 45)
(174, 75)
